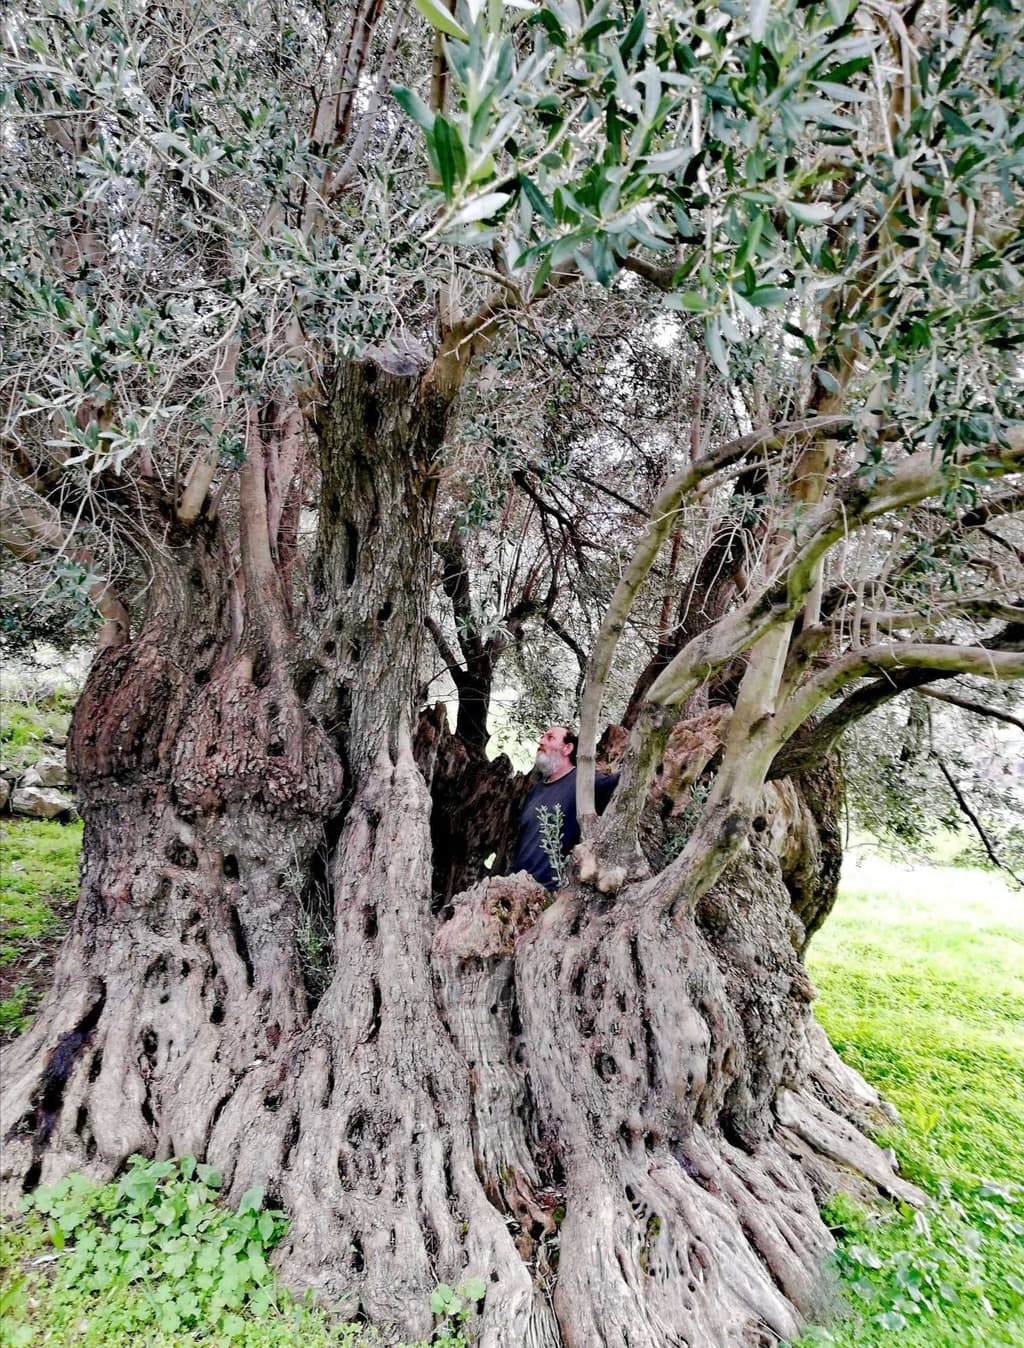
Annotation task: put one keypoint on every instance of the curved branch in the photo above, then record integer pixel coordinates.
(934, 660)
(766, 442)
(976, 708)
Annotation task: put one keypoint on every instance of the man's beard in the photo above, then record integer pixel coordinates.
(547, 761)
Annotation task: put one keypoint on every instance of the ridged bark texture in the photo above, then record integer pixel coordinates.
(622, 1121)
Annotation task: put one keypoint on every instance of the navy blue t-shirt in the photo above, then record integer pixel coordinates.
(561, 794)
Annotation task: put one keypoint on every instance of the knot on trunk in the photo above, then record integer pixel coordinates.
(486, 920)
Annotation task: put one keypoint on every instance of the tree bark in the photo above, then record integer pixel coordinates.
(621, 1117)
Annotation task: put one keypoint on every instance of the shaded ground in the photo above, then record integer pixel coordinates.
(38, 887)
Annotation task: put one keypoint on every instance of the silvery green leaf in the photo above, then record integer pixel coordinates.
(808, 212)
(664, 161)
(438, 17)
(758, 19)
(481, 208)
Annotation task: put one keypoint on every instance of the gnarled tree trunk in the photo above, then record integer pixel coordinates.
(616, 1111)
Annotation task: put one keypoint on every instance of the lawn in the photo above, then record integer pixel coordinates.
(921, 980)
(38, 888)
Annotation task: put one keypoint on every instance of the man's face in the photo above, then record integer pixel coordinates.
(553, 753)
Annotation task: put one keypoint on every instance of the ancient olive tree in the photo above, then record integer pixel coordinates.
(262, 268)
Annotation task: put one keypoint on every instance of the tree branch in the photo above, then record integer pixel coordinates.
(977, 708)
(965, 808)
(766, 443)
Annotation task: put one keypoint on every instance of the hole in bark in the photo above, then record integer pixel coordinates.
(272, 1101)
(217, 1014)
(80, 1120)
(652, 1056)
(634, 957)
(178, 853)
(211, 749)
(32, 1176)
(370, 923)
(148, 1044)
(375, 1014)
(201, 677)
(147, 1112)
(261, 668)
(605, 1066)
(275, 749)
(185, 968)
(351, 552)
(217, 1112)
(325, 1099)
(330, 648)
(195, 578)
(291, 1137)
(230, 867)
(156, 969)
(385, 611)
(515, 1025)
(241, 945)
(760, 823)
(392, 1241)
(579, 983)
(95, 1065)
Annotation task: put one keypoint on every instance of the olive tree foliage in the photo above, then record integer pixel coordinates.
(351, 344)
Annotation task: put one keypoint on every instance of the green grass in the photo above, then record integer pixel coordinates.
(921, 975)
(38, 886)
(25, 726)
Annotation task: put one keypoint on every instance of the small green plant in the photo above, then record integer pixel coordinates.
(455, 1306)
(156, 1258)
(160, 1235)
(552, 825)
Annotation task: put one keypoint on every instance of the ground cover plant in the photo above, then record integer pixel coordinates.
(156, 1258)
(25, 726)
(922, 989)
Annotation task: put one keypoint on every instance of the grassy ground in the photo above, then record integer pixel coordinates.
(922, 988)
(38, 864)
(38, 887)
(921, 975)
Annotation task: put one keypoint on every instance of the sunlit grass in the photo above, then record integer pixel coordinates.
(921, 975)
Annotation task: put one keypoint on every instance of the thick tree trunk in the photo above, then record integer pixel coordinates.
(621, 1120)
(203, 784)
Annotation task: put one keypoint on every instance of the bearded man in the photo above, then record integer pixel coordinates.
(553, 799)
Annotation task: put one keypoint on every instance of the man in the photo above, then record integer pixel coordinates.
(556, 762)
